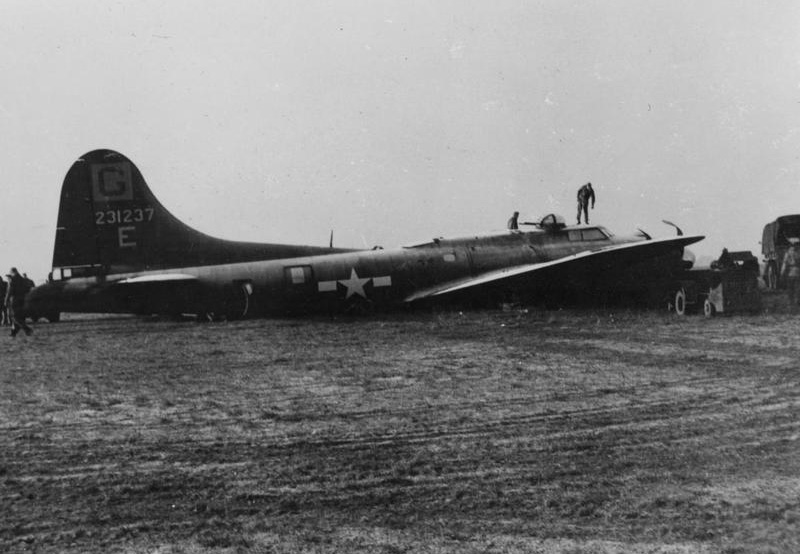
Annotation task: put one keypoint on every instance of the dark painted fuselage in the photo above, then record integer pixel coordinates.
(348, 281)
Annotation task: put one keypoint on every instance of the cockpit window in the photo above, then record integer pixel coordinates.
(593, 234)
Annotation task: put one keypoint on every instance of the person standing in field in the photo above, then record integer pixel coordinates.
(791, 272)
(585, 193)
(15, 302)
(3, 311)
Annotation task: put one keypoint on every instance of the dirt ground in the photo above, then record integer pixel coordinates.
(503, 432)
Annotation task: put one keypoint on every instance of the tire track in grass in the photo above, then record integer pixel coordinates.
(569, 455)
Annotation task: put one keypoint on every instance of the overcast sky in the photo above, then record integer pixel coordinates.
(393, 122)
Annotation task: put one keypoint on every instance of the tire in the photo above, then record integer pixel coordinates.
(708, 309)
(680, 302)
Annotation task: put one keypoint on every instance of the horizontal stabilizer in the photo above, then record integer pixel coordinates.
(157, 278)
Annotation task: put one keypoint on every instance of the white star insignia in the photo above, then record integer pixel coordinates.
(355, 284)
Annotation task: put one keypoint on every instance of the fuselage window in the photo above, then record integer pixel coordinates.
(574, 235)
(298, 275)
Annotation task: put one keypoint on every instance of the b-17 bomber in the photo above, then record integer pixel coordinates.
(118, 250)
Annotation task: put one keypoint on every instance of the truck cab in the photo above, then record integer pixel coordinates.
(774, 244)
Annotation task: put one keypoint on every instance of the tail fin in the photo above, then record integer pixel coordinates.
(110, 222)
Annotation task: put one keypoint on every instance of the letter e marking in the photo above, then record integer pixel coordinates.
(125, 238)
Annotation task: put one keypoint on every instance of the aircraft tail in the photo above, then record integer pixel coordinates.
(110, 222)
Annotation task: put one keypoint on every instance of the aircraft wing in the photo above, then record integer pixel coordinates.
(608, 256)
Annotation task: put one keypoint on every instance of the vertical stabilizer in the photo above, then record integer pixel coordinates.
(110, 222)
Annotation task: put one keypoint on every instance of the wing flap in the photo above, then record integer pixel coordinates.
(642, 249)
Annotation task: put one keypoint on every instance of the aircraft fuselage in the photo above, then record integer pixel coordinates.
(349, 281)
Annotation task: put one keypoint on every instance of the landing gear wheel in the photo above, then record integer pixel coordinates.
(680, 302)
(709, 310)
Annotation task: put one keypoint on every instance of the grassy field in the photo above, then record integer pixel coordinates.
(502, 432)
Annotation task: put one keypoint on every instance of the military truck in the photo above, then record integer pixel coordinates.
(729, 286)
(774, 244)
